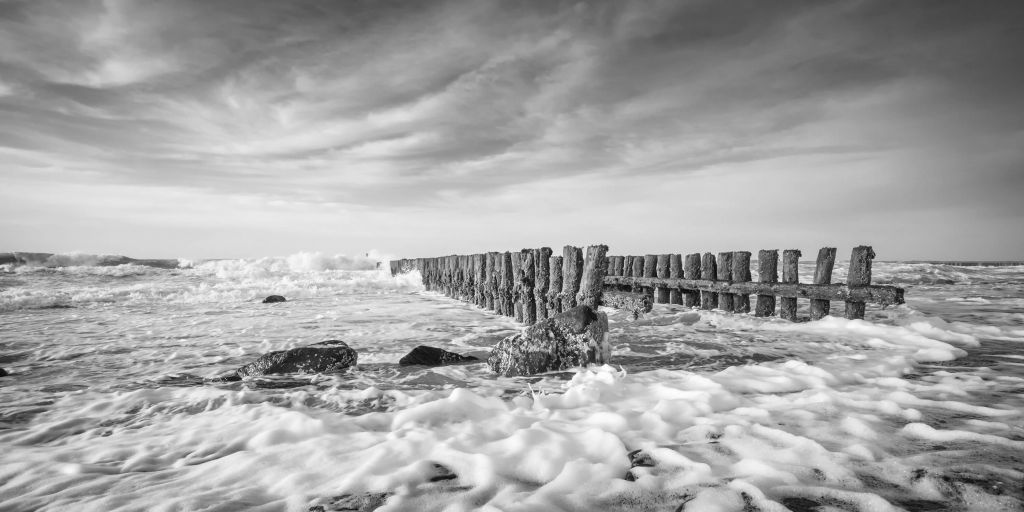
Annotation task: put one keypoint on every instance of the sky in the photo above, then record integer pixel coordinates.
(247, 128)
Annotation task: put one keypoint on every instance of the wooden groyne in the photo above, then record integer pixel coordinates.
(531, 284)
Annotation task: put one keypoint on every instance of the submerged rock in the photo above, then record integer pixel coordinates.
(576, 337)
(433, 356)
(432, 477)
(324, 357)
(3, 373)
(274, 298)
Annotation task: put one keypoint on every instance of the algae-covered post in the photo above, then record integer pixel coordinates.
(637, 271)
(572, 267)
(529, 273)
(480, 280)
(542, 266)
(691, 270)
(650, 270)
(505, 297)
(823, 275)
(595, 268)
(554, 298)
(767, 272)
(675, 271)
(741, 274)
(661, 270)
(616, 266)
(859, 275)
(708, 272)
(790, 275)
(489, 287)
(725, 300)
(517, 286)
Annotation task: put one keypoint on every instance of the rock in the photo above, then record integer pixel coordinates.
(638, 459)
(324, 357)
(432, 356)
(576, 337)
(3, 373)
(274, 298)
(370, 501)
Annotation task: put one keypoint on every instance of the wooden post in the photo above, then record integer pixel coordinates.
(823, 275)
(616, 268)
(479, 280)
(790, 275)
(555, 286)
(650, 270)
(638, 271)
(517, 286)
(725, 300)
(467, 278)
(708, 272)
(859, 275)
(529, 273)
(489, 281)
(541, 281)
(691, 270)
(595, 267)
(661, 270)
(572, 269)
(506, 285)
(675, 270)
(741, 274)
(767, 272)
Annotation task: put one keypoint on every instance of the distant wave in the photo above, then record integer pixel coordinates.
(78, 259)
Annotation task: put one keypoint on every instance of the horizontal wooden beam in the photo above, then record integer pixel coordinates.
(638, 303)
(883, 295)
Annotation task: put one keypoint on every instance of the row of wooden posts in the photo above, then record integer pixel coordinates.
(531, 284)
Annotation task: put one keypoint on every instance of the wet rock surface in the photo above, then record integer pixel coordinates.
(3, 373)
(274, 298)
(438, 479)
(433, 356)
(325, 357)
(576, 337)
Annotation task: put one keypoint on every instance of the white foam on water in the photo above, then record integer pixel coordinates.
(106, 408)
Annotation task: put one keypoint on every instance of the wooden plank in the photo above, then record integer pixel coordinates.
(595, 269)
(741, 274)
(554, 300)
(572, 272)
(661, 270)
(790, 275)
(884, 295)
(506, 286)
(725, 300)
(636, 303)
(767, 272)
(708, 272)
(823, 275)
(691, 270)
(675, 271)
(542, 264)
(528, 272)
(859, 275)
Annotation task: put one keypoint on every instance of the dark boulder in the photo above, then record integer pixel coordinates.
(274, 298)
(576, 337)
(432, 356)
(3, 373)
(324, 357)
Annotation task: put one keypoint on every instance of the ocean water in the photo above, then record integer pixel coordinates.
(109, 406)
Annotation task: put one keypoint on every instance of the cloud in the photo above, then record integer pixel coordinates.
(429, 106)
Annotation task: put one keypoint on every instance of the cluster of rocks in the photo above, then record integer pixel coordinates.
(576, 337)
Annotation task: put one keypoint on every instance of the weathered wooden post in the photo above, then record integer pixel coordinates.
(859, 275)
(572, 268)
(517, 286)
(554, 298)
(741, 274)
(479, 280)
(691, 270)
(708, 272)
(823, 275)
(395, 265)
(675, 271)
(661, 270)
(638, 271)
(489, 281)
(725, 300)
(616, 268)
(650, 270)
(542, 279)
(506, 286)
(595, 267)
(767, 272)
(790, 275)
(466, 261)
(529, 273)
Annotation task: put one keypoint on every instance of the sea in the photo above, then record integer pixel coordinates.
(111, 401)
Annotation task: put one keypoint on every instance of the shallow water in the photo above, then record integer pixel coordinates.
(918, 407)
